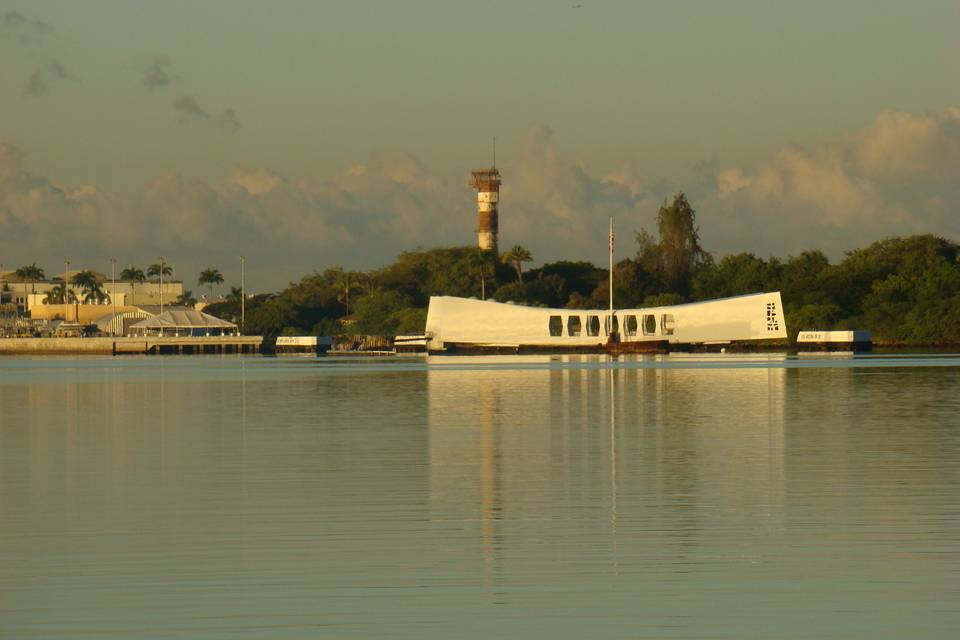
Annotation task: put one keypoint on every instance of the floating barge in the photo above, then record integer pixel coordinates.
(857, 340)
(302, 345)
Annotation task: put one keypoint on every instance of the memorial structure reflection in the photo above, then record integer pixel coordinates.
(640, 453)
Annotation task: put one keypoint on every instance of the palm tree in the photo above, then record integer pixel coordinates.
(58, 293)
(91, 286)
(517, 255)
(160, 268)
(133, 275)
(186, 299)
(210, 277)
(30, 273)
(344, 286)
(479, 261)
(236, 293)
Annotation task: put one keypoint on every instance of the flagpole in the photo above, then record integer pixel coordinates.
(611, 274)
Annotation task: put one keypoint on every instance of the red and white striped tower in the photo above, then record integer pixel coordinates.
(487, 184)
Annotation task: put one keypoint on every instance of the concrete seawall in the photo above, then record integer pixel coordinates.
(117, 346)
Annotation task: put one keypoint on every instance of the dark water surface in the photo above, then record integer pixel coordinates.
(677, 497)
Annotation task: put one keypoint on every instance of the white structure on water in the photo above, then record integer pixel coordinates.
(858, 340)
(467, 323)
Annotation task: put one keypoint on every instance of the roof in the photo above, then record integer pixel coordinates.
(104, 322)
(101, 278)
(184, 319)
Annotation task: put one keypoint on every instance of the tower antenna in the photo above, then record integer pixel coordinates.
(494, 151)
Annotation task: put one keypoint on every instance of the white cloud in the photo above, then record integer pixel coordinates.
(897, 176)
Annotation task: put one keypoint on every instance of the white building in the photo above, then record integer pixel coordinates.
(468, 323)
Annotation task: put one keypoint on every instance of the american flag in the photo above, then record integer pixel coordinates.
(611, 235)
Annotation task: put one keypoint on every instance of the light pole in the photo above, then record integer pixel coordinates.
(113, 284)
(161, 284)
(243, 295)
(66, 298)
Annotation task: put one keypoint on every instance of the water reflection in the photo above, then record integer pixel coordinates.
(528, 443)
(455, 497)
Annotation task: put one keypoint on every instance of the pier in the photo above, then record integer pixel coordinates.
(147, 345)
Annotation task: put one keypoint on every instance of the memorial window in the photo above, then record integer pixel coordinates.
(593, 325)
(667, 324)
(556, 326)
(649, 325)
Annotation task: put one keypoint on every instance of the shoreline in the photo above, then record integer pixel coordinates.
(254, 345)
(109, 346)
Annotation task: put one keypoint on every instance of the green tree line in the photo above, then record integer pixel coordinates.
(905, 290)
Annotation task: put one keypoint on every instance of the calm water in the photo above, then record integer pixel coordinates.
(680, 497)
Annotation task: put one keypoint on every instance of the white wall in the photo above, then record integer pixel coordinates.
(469, 321)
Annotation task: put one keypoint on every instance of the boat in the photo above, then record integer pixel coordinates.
(468, 325)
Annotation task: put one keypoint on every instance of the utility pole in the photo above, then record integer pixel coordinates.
(66, 297)
(161, 285)
(113, 285)
(243, 295)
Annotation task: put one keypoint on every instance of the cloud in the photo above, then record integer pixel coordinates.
(560, 209)
(361, 217)
(38, 83)
(26, 29)
(834, 196)
(157, 75)
(896, 176)
(189, 110)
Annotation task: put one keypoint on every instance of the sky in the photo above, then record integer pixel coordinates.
(303, 134)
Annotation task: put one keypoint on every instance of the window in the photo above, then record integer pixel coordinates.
(556, 326)
(573, 325)
(630, 325)
(593, 325)
(772, 320)
(649, 325)
(616, 324)
(666, 323)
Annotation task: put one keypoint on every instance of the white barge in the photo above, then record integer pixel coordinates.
(466, 324)
(858, 340)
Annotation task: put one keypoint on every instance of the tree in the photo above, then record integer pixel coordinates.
(736, 275)
(678, 254)
(516, 256)
(344, 287)
(134, 276)
(236, 293)
(60, 294)
(482, 262)
(210, 277)
(30, 273)
(186, 299)
(542, 291)
(91, 286)
(158, 269)
(384, 313)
